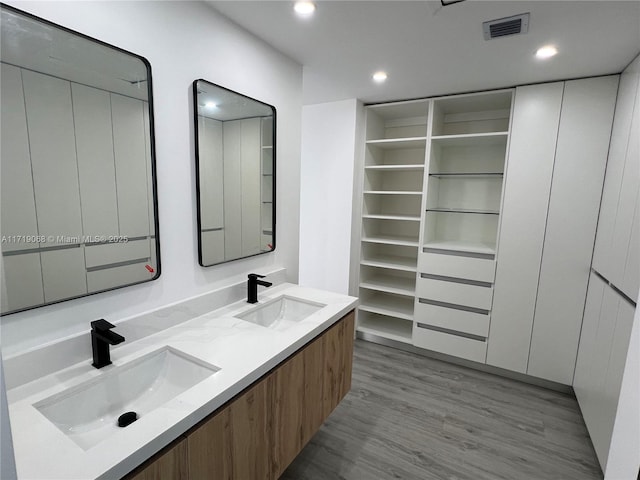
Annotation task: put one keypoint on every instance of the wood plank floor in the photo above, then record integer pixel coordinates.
(413, 418)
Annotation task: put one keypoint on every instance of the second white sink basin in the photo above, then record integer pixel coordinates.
(281, 313)
(88, 413)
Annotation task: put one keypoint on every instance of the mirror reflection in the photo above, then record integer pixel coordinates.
(235, 165)
(78, 212)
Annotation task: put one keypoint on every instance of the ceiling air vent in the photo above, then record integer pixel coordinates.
(502, 27)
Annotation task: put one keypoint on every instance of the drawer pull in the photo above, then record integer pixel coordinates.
(460, 253)
(464, 281)
(454, 306)
(452, 332)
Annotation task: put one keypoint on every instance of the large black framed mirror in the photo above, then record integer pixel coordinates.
(77, 165)
(235, 140)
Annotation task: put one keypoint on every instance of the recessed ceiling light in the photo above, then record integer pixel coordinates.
(379, 77)
(210, 105)
(304, 9)
(547, 51)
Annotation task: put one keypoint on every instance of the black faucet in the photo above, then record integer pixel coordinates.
(252, 287)
(101, 338)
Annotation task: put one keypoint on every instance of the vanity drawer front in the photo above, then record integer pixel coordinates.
(455, 345)
(456, 293)
(453, 319)
(480, 269)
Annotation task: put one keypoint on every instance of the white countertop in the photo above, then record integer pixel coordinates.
(243, 351)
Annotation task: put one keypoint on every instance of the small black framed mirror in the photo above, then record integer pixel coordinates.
(235, 142)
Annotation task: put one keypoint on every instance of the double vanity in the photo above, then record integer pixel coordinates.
(244, 382)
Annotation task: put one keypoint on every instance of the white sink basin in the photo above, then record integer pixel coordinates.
(281, 313)
(88, 413)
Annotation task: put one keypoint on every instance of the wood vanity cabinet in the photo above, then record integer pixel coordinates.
(257, 434)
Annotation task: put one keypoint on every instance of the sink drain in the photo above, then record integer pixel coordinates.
(127, 419)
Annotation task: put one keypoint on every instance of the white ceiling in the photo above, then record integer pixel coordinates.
(432, 50)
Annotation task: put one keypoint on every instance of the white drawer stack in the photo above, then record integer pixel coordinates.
(454, 292)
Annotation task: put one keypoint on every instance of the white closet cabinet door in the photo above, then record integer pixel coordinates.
(96, 168)
(64, 273)
(603, 257)
(251, 186)
(53, 155)
(131, 169)
(534, 128)
(583, 380)
(232, 134)
(212, 247)
(578, 175)
(613, 378)
(211, 171)
(623, 250)
(21, 282)
(18, 208)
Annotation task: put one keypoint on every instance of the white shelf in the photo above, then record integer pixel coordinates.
(461, 246)
(390, 192)
(396, 168)
(409, 218)
(471, 139)
(464, 210)
(389, 284)
(401, 240)
(394, 329)
(467, 175)
(397, 143)
(267, 147)
(391, 262)
(389, 308)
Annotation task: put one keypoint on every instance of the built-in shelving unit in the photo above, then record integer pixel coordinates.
(431, 200)
(394, 168)
(463, 200)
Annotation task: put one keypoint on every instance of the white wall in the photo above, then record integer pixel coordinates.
(326, 192)
(183, 41)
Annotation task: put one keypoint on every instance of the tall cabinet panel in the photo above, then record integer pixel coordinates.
(211, 170)
(96, 168)
(55, 178)
(603, 351)
(53, 155)
(251, 185)
(18, 210)
(603, 260)
(232, 139)
(130, 162)
(625, 245)
(17, 183)
(536, 116)
(578, 176)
